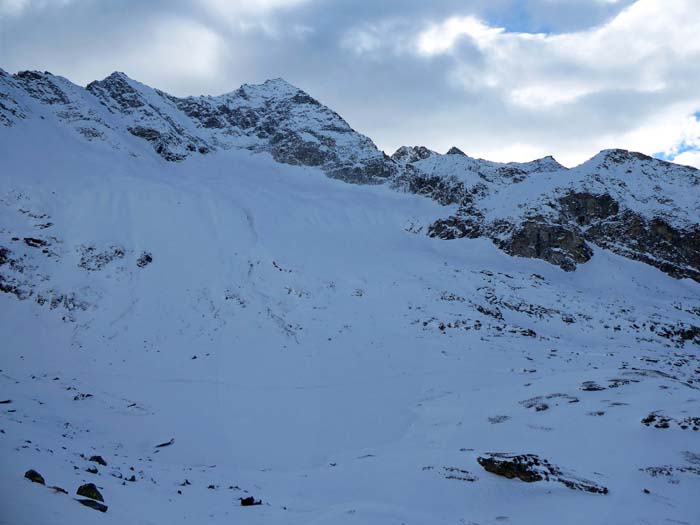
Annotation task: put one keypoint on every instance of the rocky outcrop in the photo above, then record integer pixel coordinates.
(539, 239)
(652, 241)
(409, 154)
(531, 468)
(454, 150)
(90, 490)
(33, 476)
(561, 225)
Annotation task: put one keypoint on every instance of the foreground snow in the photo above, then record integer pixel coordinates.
(346, 371)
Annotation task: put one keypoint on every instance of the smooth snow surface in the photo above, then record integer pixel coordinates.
(344, 365)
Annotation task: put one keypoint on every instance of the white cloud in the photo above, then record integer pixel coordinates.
(441, 38)
(9, 8)
(12, 7)
(650, 49)
(188, 48)
(236, 12)
(173, 51)
(633, 51)
(689, 158)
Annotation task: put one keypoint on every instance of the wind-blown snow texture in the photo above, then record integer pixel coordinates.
(185, 269)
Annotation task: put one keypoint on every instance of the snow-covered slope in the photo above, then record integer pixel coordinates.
(302, 342)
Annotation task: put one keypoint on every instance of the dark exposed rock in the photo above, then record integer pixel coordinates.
(660, 421)
(144, 259)
(98, 459)
(81, 397)
(162, 142)
(89, 490)
(511, 467)
(118, 87)
(408, 154)
(33, 475)
(42, 86)
(58, 490)
(454, 150)
(681, 333)
(95, 260)
(166, 444)
(654, 242)
(459, 474)
(540, 239)
(670, 471)
(93, 504)
(531, 468)
(455, 227)
(250, 501)
(539, 404)
(591, 386)
(585, 208)
(35, 243)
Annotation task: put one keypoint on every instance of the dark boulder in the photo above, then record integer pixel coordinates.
(144, 259)
(250, 501)
(98, 459)
(89, 490)
(34, 476)
(521, 467)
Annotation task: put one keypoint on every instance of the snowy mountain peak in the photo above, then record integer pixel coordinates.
(631, 162)
(276, 88)
(454, 150)
(116, 76)
(408, 154)
(280, 84)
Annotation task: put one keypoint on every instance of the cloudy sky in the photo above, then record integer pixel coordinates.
(500, 79)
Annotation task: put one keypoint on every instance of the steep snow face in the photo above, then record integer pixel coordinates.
(290, 338)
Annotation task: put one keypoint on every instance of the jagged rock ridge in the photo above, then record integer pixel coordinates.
(273, 117)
